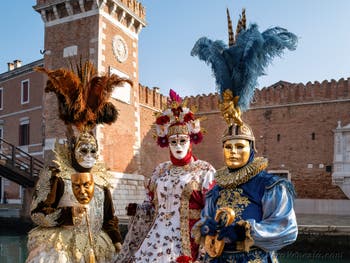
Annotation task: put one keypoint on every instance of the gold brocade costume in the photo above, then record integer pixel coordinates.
(56, 238)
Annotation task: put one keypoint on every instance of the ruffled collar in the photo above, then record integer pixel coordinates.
(227, 179)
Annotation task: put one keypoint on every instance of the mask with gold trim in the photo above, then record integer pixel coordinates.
(85, 150)
(177, 119)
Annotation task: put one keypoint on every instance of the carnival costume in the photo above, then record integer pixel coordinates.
(176, 191)
(249, 214)
(76, 225)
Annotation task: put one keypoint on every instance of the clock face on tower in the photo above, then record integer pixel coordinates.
(120, 49)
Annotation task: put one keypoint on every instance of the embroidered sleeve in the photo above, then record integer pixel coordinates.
(44, 207)
(278, 227)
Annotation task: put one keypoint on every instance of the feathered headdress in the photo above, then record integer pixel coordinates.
(237, 66)
(83, 95)
(177, 118)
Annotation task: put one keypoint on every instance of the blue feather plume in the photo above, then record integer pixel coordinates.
(238, 67)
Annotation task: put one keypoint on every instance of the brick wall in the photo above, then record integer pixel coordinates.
(13, 112)
(290, 112)
(81, 33)
(294, 112)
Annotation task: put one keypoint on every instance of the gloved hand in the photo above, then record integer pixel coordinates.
(209, 227)
(233, 232)
(131, 209)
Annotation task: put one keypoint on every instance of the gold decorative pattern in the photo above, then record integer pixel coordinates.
(194, 214)
(174, 186)
(184, 216)
(43, 188)
(177, 129)
(63, 160)
(49, 220)
(233, 199)
(74, 243)
(227, 179)
(196, 233)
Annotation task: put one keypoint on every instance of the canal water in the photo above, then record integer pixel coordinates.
(13, 249)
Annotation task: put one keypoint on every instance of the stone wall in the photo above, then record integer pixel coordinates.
(128, 188)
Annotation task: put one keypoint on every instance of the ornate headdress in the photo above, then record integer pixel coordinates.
(236, 68)
(83, 97)
(177, 118)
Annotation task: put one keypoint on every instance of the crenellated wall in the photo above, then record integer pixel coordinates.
(135, 6)
(287, 93)
(151, 97)
(284, 93)
(293, 126)
(205, 103)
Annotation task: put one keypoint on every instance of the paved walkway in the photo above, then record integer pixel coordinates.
(330, 224)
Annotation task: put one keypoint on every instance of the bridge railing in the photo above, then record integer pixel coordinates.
(13, 156)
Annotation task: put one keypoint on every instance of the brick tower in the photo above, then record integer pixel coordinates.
(106, 32)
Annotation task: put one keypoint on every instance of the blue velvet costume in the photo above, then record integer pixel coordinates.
(265, 219)
(266, 202)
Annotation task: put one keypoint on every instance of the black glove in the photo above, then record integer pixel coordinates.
(131, 209)
(233, 232)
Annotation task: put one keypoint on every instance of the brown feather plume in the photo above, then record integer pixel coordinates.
(83, 95)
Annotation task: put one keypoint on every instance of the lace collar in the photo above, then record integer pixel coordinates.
(227, 179)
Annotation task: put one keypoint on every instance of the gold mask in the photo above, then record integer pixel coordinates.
(236, 153)
(83, 187)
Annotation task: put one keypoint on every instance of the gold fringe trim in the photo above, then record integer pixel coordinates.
(196, 233)
(185, 216)
(227, 179)
(194, 214)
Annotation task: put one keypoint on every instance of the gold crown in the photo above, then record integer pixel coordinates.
(237, 129)
(178, 128)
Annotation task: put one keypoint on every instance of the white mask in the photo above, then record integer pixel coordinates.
(86, 154)
(179, 145)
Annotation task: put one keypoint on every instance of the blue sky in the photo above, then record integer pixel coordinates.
(173, 26)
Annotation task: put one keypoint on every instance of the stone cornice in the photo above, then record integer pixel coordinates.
(127, 12)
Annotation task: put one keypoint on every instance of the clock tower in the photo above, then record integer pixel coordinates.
(105, 32)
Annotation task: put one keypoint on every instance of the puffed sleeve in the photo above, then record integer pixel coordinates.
(278, 226)
(48, 192)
